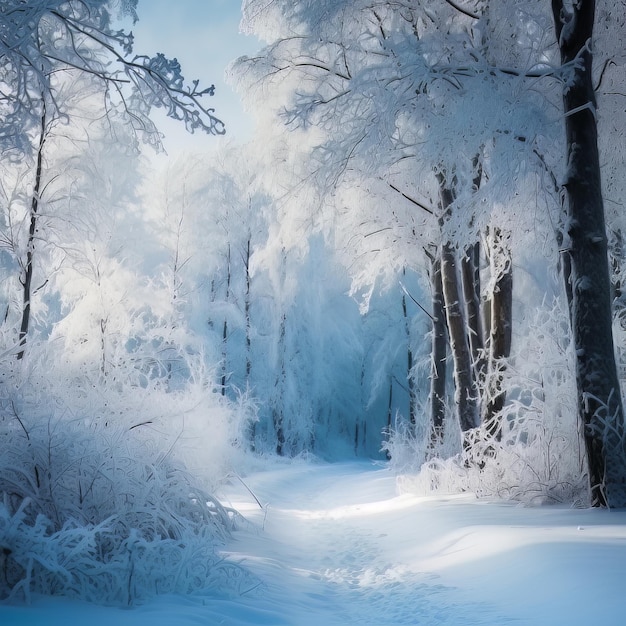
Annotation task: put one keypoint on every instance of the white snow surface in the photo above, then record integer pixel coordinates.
(337, 544)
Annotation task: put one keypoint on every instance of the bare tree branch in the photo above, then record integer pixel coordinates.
(458, 7)
(412, 200)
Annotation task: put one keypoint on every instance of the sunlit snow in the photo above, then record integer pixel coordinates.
(337, 544)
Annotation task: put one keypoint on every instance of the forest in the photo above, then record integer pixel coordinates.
(417, 258)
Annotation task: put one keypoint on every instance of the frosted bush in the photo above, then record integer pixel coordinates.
(542, 466)
(106, 485)
(108, 562)
(104, 514)
(540, 456)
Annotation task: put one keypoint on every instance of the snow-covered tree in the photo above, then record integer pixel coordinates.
(406, 94)
(452, 107)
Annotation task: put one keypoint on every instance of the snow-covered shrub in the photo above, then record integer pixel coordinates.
(540, 456)
(106, 484)
(109, 562)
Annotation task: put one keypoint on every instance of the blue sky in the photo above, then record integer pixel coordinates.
(204, 36)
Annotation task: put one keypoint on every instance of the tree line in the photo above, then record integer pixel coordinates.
(382, 256)
(454, 107)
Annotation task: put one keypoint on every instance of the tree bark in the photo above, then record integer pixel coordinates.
(278, 414)
(27, 278)
(599, 399)
(470, 281)
(280, 384)
(465, 390)
(500, 330)
(409, 360)
(225, 325)
(438, 356)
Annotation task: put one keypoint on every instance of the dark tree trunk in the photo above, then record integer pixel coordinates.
(409, 360)
(225, 325)
(438, 355)
(280, 385)
(278, 411)
(599, 399)
(465, 389)
(470, 279)
(616, 255)
(500, 305)
(247, 313)
(390, 405)
(27, 277)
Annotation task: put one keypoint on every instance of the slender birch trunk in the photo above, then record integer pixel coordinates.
(27, 277)
(409, 360)
(225, 325)
(470, 281)
(438, 356)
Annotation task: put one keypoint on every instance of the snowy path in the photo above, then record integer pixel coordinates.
(335, 545)
(341, 547)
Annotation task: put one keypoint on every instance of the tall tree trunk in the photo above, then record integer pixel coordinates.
(616, 256)
(280, 384)
(599, 399)
(27, 278)
(225, 326)
(470, 280)
(409, 358)
(247, 313)
(465, 389)
(438, 356)
(390, 404)
(500, 305)
(278, 414)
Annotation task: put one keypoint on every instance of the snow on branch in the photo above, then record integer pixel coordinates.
(40, 39)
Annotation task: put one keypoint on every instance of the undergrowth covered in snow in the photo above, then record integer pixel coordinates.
(539, 457)
(106, 488)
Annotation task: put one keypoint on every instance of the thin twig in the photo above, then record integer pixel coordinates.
(412, 200)
(250, 491)
(458, 7)
(404, 289)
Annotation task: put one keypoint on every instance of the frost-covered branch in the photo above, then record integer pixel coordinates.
(37, 39)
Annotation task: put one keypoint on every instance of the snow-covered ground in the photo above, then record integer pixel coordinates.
(337, 545)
